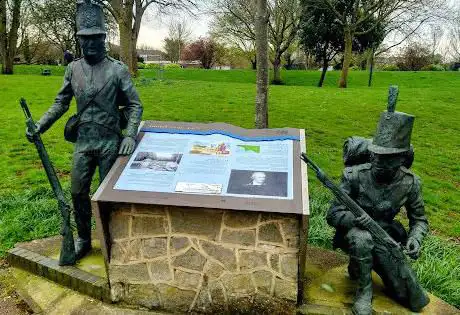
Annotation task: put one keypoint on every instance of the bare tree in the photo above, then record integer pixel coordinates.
(454, 43)
(10, 17)
(55, 20)
(283, 27)
(236, 19)
(129, 14)
(179, 34)
(436, 34)
(233, 23)
(261, 32)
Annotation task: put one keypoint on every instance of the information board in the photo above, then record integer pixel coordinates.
(210, 164)
(213, 165)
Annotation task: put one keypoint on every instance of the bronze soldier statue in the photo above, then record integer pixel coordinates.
(100, 85)
(381, 188)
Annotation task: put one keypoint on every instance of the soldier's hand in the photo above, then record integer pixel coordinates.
(413, 248)
(127, 146)
(363, 221)
(31, 133)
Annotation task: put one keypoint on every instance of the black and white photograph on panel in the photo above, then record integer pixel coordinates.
(258, 183)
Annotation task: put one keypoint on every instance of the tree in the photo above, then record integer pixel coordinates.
(55, 20)
(128, 15)
(9, 26)
(415, 57)
(368, 42)
(237, 58)
(283, 28)
(233, 23)
(261, 32)
(236, 19)
(172, 49)
(206, 50)
(353, 14)
(321, 35)
(435, 33)
(26, 50)
(178, 34)
(454, 43)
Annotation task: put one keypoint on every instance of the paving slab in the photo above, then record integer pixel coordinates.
(328, 287)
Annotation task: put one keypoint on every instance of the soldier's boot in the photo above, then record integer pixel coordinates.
(362, 304)
(82, 212)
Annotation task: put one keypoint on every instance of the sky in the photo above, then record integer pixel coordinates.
(154, 30)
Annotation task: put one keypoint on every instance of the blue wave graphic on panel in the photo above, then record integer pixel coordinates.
(220, 132)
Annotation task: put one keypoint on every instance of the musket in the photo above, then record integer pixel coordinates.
(67, 255)
(379, 235)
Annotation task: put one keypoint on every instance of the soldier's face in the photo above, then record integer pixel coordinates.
(386, 166)
(92, 45)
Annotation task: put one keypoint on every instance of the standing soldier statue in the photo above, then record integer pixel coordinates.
(381, 188)
(100, 85)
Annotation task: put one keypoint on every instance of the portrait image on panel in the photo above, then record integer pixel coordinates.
(258, 183)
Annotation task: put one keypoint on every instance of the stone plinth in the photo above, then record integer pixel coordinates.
(184, 259)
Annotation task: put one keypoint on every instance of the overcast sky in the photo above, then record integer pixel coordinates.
(154, 30)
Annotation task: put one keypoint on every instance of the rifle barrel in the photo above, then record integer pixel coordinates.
(375, 229)
(67, 255)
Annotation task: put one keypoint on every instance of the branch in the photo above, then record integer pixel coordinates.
(405, 38)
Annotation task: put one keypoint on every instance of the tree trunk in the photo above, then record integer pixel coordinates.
(346, 58)
(134, 69)
(261, 24)
(254, 64)
(7, 64)
(323, 73)
(9, 40)
(124, 27)
(371, 67)
(3, 35)
(277, 70)
(135, 35)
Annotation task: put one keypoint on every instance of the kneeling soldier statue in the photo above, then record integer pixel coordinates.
(381, 188)
(374, 187)
(100, 85)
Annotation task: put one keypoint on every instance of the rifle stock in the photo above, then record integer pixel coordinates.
(67, 254)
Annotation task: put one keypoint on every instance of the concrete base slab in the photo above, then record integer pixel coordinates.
(47, 297)
(328, 288)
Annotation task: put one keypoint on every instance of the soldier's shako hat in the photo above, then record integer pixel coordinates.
(90, 18)
(394, 130)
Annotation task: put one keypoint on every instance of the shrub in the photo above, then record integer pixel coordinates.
(140, 65)
(433, 68)
(355, 68)
(414, 58)
(390, 68)
(172, 66)
(154, 66)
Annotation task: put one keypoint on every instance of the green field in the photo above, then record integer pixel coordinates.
(329, 115)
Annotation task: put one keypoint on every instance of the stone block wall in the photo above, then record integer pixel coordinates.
(184, 259)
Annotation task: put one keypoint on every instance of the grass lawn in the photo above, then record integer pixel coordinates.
(329, 115)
